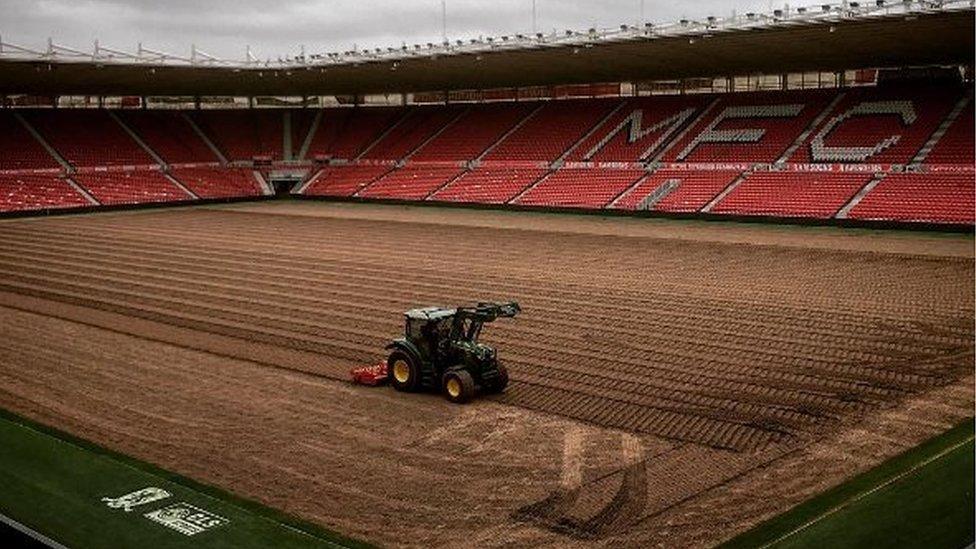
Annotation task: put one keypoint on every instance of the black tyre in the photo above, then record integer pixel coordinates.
(458, 386)
(499, 383)
(403, 372)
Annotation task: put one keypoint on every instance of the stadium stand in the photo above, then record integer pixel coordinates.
(411, 182)
(169, 135)
(792, 194)
(489, 184)
(20, 192)
(920, 197)
(344, 180)
(771, 153)
(88, 138)
(580, 187)
(218, 182)
(676, 190)
(131, 187)
(18, 148)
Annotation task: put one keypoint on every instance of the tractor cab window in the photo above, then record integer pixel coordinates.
(414, 329)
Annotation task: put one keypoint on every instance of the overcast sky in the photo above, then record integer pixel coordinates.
(278, 27)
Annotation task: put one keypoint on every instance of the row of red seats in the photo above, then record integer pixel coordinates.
(23, 192)
(140, 187)
(18, 148)
(929, 197)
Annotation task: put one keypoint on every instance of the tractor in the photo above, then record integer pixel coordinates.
(440, 351)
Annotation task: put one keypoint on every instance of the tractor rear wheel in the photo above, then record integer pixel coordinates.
(499, 383)
(458, 386)
(403, 372)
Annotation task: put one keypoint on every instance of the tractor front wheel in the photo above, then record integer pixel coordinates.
(458, 386)
(500, 382)
(403, 372)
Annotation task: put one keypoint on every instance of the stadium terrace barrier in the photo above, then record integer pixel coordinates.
(896, 153)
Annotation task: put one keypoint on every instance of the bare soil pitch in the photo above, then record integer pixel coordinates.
(658, 376)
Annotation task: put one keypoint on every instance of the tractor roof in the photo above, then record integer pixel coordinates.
(430, 313)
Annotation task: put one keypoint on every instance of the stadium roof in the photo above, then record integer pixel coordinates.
(839, 39)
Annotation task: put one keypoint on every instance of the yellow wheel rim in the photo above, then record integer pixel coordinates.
(454, 387)
(401, 371)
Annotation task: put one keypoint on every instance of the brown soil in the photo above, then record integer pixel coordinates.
(673, 383)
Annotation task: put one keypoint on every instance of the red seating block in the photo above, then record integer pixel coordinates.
(131, 187)
(89, 138)
(345, 132)
(218, 182)
(37, 192)
(169, 135)
(344, 180)
(418, 125)
(551, 131)
(930, 197)
(691, 190)
(411, 182)
(18, 148)
(580, 187)
(793, 194)
(474, 132)
(489, 185)
(243, 134)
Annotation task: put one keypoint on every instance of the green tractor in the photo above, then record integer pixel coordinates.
(440, 351)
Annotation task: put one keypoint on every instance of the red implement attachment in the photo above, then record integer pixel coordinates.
(369, 375)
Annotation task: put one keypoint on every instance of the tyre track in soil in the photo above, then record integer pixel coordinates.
(828, 377)
(75, 270)
(154, 238)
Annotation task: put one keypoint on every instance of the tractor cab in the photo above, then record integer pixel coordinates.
(440, 350)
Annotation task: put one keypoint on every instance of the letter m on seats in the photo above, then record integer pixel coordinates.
(636, 132)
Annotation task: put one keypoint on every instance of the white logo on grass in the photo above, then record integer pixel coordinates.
(137, 498)
(186, 519)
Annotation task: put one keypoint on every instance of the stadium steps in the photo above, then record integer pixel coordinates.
(135, 137)
(531, 186)
(437, 134)
(82, 191)
(206, 139)
(180, 185)
(725, 192)
(681, 135)
(47, 146)
(446, 183)
(845, 210)
(310, 136)
(286, 150)
(300, 189)
(630, 189)
(814, 124)
(371, 182)
(510, 131)
(266, 189)
(589, 133)
(923, 153)
(379, 138)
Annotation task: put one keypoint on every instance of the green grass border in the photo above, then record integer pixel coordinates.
(772, 530)
(251, 506)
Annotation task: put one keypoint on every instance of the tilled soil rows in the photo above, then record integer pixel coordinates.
(711, 359)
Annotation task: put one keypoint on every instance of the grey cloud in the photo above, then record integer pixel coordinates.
(277, 27)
